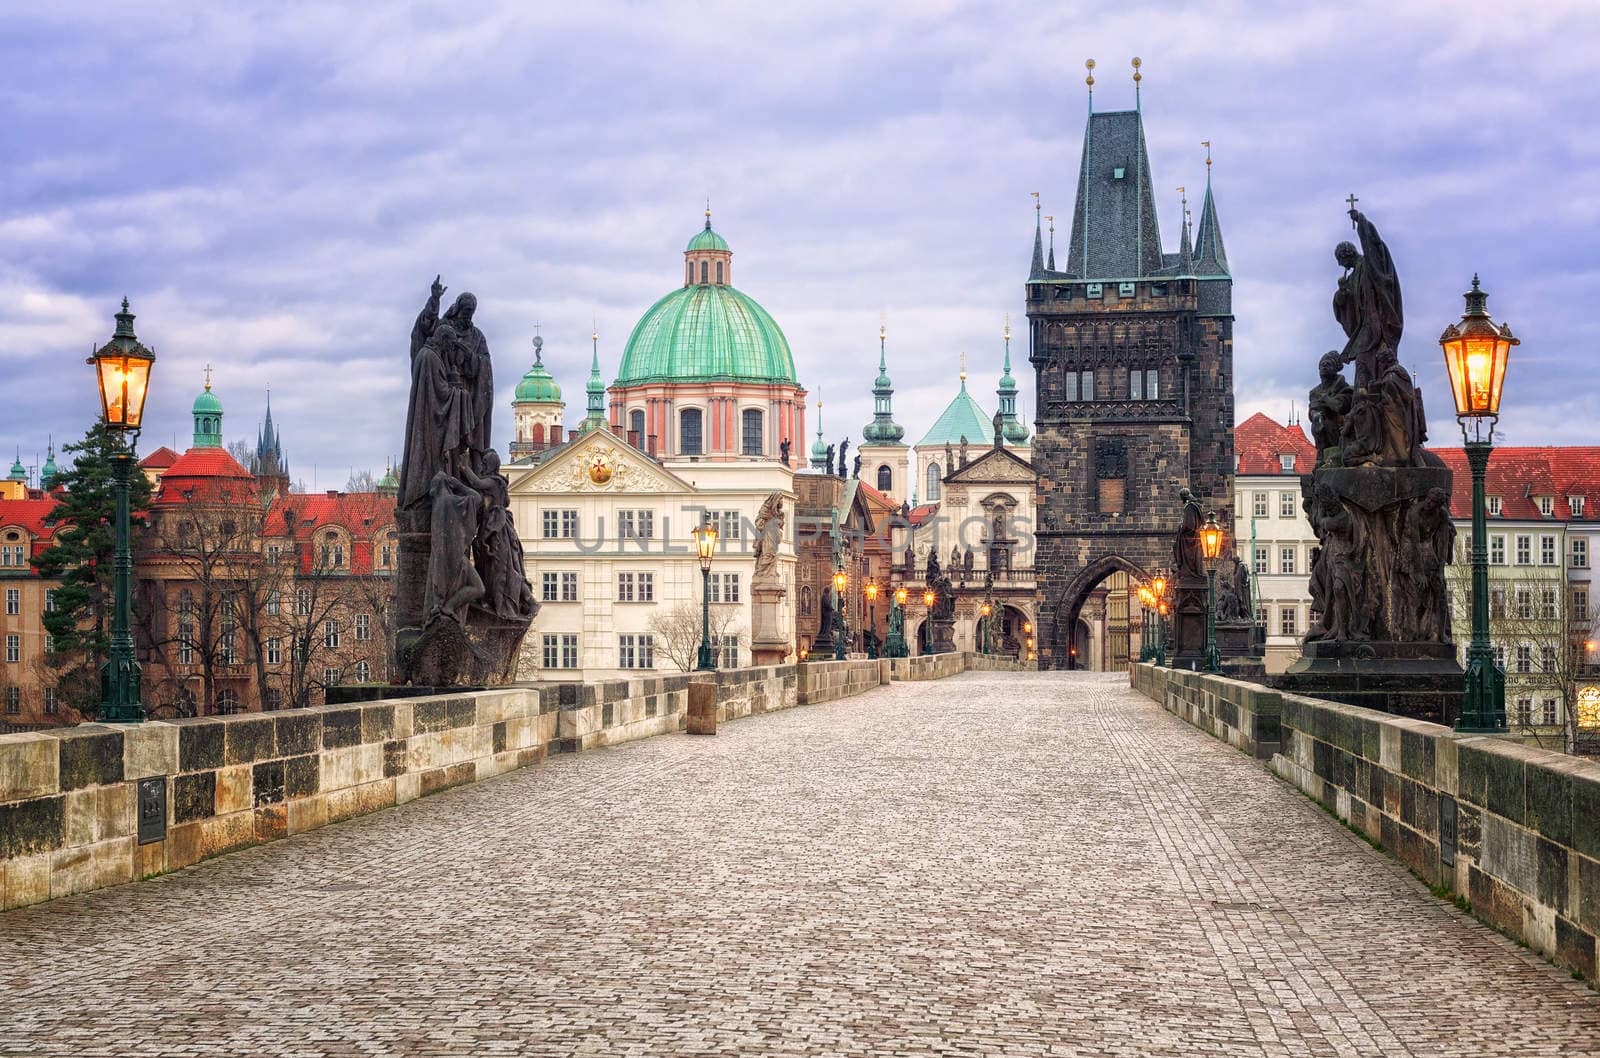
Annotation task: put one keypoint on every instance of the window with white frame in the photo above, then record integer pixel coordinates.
(50, 601)
(363, 672)
(13, 601)
(52, 700)
(1261, 615)
(1494, 506)
(1289, 620)
(636, 587)
(1524, 550)
(636, 525)
(1524, 658)
(330, 676)
(1286, 559)
(302, 602)
(1578, 551)
(1547, 551)
(274, 603)
(560, 586)
(330, 633)
(1580, 605)
(1286, 462)
(1525, 711)
(1497, 550)
(275, 651)
(1575, 505)
(1286, 505)
(1547, 659)
(1499, 655)
(1261, 555)
(1259, 505)
(1524, 604)
(727, 523)
(185, 642)
(363, 627)
(228, 648)
(1549, 714)
(636, 651)
(559, 651)
(558, 524)
(1547, 505)
(724, 587)
(1547, 604)
(13, 700)
(13, 648)
(727, 648)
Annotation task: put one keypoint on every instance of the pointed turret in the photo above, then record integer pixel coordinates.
(268, 461)
(1037, 270)
(1114, 229)
(1051, 263)
(18, 471)
(1210, 259)
(1011, 430)
(1185, 250)
(819, 447)
(595, 388)
(49, 473)
(882, 429)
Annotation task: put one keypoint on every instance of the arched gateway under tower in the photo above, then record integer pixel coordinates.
(1133, 353)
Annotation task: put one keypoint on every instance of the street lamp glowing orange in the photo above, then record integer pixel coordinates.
(841, 580)
(872, 591)
(122, 371)
(1211, 538)
(986, 609)
(1027, 627)
(1475, 354)
(900, 596)
(1159, 586)
(927, 598)
(705, 544)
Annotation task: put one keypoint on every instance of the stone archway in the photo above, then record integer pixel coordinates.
(1067, 643)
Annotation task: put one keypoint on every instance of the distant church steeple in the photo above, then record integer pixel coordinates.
(207, 417)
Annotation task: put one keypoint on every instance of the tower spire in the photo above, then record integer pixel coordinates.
(1011, 431)
(1137, 77)
(819, 447)
(595, 389)
(1185, 253)
(1037, 269)
(1210, 256)
(882, 429)
(1051, 264)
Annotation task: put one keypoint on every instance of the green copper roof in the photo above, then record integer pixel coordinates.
(18, 471)
(50, 471)
(963, 418)
(537, 384)
(207, 403)
(883, 429)
(706, 331)
(706, 239)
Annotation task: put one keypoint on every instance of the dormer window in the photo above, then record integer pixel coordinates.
(1575, 505)
(1494, 506)
(1286, 461)
(1547, 505)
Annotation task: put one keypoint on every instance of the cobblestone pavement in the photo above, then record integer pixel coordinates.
(1006, 864)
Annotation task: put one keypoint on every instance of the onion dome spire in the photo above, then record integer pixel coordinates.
(819, 447)
(18, 471)
(48, 474)
(207, 412)
(882, 429)
(595, 389)
(1013, 431)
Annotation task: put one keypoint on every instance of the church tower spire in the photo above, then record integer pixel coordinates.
(207, 417)
(1210, 258)
(1037, 269)
(1012, 430)
(595, 389)
(882, 429)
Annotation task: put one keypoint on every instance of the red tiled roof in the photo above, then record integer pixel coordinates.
(921, 514)
(31, 517)
(1519, 476)
(1260, 444)
(362, 515)
(204, 474)
(160, 459)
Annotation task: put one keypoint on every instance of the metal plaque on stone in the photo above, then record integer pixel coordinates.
(1447, 831)
(152, 809)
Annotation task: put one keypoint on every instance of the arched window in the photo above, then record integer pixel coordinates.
(704, 267)
(538, 433)
(933, 483)
(752, 424)
(636, 423)
(719, 271)
(885, 479)
(689, 432)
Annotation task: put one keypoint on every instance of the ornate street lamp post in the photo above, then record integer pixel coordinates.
(705, 545)
(871, 634)
(929, 597)
(122, 372)
(841, 581)
(1211, 536)
(986, 609)
(895, 645)
(1145, 649)
(1027, 630)
(1158, 596)
(1476, 353)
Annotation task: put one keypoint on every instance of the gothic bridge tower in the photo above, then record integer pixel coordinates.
(1133, 353)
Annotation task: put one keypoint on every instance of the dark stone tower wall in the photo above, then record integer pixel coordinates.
(1111, 467)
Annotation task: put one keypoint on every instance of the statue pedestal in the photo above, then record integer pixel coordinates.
(943, 639)
(770, 642)
(1188, 646)
(1243, 647)
(1420, 680)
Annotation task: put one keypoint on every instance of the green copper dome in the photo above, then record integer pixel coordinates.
(207, 403)
(704, 332)
(962, 418)
(706, 239)
(18, 471)
(537, 384)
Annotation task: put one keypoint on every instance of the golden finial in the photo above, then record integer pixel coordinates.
(1089, 65)
(963, 369)
(1008, 326)
(1052, 220)
(1137, 77)
(1207, 145)
(1035, 195)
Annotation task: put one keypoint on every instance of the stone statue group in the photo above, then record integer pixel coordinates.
(1378, 501)
(462, 598)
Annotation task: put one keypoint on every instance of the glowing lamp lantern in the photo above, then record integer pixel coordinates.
(872, 591)
(122, 372)
(1211, 538)
(705, 545)
(841, 580)
(987, 609)
(901, 595)
(928, 598)
(1159, 586)
(1476, 353)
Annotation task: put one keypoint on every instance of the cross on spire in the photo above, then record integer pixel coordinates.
(208, 378)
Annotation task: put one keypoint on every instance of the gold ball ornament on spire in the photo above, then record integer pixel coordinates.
(1137, 76)
(1089, 80)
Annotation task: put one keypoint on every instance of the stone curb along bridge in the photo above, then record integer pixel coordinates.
(938, 855)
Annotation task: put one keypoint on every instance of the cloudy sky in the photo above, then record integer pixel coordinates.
(274, 186)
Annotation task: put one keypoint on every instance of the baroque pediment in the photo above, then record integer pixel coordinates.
(601, 462)
(997, 465)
